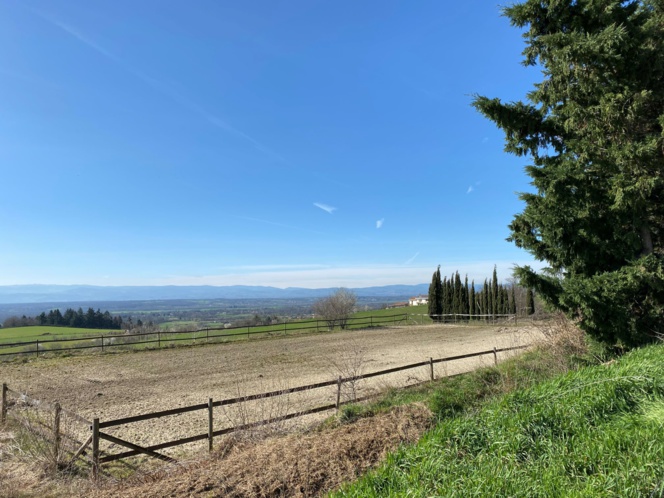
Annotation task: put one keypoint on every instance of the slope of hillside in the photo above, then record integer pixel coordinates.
(593, 432)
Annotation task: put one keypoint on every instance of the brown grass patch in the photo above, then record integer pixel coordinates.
(295, 465)
(562, 337)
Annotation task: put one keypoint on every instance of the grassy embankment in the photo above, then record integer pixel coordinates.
(596, 431)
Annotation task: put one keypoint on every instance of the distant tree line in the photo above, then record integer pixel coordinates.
(452, 297)
(78, 319)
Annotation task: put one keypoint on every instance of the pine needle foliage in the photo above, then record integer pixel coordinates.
(593, 128)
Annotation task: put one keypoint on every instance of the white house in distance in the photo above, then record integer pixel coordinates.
(417, 300)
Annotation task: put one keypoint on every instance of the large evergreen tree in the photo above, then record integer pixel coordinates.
(594, 130)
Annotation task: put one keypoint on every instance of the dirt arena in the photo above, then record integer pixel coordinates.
(119, 385)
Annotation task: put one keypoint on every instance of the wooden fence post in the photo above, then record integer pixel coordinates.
(37, 348)
(102, 343)
(158, 339)
(95, 448)
(495, 356)
(338, 392)
(210, 425)
(3, 417)
(56, 433)
(431, 365)
(207, 335)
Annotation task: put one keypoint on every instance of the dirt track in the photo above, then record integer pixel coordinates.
(120, 385)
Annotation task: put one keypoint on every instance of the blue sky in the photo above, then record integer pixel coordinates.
(287, 143)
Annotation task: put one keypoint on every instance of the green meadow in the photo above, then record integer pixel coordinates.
(47, 332)
(62, 338)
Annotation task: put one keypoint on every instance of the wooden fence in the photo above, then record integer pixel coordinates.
(50, 423)
(96, 426)
(159, 339)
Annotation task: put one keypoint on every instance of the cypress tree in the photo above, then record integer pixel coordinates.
(530, 302)
(458, 294)
(466, 296)
(513, 303)
(435, 296)
(450, 295)
(494, 292)
(471, 299)
(499, 300)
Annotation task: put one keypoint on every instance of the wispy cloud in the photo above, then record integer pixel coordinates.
(379, 223)
(412, 259)
(470, 189)
(343, 276)
(325, 207)
(485, 140)
(346, 276)
(274, 267)
(359, 275)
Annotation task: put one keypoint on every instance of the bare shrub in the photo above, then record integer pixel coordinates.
(253, 413)
(336, 308)
(349, 363)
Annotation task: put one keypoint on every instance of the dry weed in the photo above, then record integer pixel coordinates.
(562, 337)
(349, 363)
(295, 465)
(253, 413)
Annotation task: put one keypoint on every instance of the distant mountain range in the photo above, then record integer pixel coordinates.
(23, 294)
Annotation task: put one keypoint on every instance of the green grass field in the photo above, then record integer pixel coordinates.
(194, 333)
(62, 339)
(597, 431)
(19, 334)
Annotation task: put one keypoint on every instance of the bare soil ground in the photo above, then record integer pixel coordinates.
(126, 384)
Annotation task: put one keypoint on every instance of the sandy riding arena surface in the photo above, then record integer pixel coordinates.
(125, 384)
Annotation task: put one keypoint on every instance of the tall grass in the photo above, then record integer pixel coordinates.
(597, 431)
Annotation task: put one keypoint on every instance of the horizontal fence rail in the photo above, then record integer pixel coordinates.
(160, 339)
(91, 446)
(106, 342)
(51, 424)
(153, 449)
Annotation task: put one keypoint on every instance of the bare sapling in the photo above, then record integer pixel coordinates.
(348, 364)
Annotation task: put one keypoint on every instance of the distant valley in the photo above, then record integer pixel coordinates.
(201, 304)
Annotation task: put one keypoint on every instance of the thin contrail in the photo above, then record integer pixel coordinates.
(325, 207)
(158, 86)
(413, 258)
